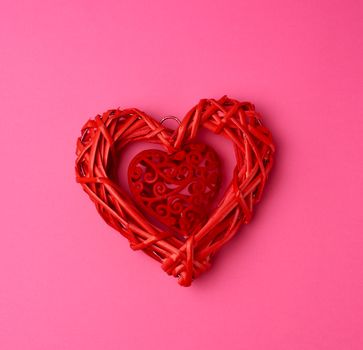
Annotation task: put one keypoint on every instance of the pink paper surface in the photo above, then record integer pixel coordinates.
(291, 279)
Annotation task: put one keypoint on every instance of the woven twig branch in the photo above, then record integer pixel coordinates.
(103, 140)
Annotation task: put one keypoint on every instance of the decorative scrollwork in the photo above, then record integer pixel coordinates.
(178, 188)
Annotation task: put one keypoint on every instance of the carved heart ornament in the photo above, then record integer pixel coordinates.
(178, 188)
(169, 215)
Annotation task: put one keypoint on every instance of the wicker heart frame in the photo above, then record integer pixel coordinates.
(102, 141)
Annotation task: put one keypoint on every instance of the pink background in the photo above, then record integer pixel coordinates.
(292, 279)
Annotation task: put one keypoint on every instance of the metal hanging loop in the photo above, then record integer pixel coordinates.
(170, 117)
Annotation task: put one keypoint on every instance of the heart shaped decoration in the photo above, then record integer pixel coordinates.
(185, 177)
(177, 189)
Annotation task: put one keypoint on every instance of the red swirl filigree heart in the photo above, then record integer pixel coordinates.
(188, 253)
(176, 189)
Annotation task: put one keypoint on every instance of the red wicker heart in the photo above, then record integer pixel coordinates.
(178, 188)
(103, 140)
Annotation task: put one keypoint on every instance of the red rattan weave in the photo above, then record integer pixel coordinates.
(102, 142)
